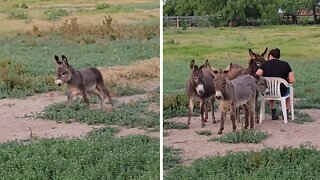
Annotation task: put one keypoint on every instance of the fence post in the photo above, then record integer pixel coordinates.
(177, 22)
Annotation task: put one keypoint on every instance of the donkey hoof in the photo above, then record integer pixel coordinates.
(220, 132)
(203, 125)
(214, 122)
(205, 120)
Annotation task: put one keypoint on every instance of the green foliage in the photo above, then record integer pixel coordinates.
(19, 14)
(269, 163)
(301, 117)
(98, 156)
(242, 136)
(204, 132)
(102, 6)
(16, 81)
(129, 115)
(174, 125)
(171, 157)
(177, 105)
(54, 14)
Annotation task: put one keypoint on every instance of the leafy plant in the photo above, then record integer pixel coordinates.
(102, 6)
(171, 157)
(204, 132)
(301, 117)
(54, 14)
(19, 14)
(242, 136)
(174, 125)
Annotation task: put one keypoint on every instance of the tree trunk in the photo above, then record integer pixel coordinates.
(314, 14)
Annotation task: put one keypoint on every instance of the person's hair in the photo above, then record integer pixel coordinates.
(275, 53)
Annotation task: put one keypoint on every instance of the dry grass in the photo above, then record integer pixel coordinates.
(134, 75)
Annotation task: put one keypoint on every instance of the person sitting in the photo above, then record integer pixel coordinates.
(274, 67)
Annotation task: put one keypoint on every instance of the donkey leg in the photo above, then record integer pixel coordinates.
(85, 97)
(206, 111)
(70, 97)
(233, 118)
(105, 90)
(212, 110)
(246, 115)
(191, 105)
(101, 96)
(257, 110)
(251, 109)
(202, 111)
(223, 117)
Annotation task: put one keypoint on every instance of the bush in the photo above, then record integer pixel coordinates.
(204, 133)
(242, 136)
(54, 14)
(177, 105)
(102, 6)
(20, 14)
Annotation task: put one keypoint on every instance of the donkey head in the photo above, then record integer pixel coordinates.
(220, 82)
(197, 77)
(256, 61)
(64, 73)
(262, 86)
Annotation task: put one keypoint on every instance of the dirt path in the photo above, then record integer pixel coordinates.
(16, 122)
(196, 146)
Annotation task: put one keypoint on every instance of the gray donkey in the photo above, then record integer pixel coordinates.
(201, 86)
(84, 82)
(240, 91)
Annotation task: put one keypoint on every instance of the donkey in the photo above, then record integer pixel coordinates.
(200, 86)
(86, 81)
(234, 70)
(240, 91)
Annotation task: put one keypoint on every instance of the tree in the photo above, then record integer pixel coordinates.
(311, 5)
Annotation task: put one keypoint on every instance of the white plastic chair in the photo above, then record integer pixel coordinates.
(273, 84)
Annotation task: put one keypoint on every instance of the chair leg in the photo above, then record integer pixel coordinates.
(284, 110)
(262, 110)
(291, 104)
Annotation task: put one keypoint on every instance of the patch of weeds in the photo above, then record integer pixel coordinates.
(126, 91)
(242, 136)
(147, 6)
(16, 81)
(54, 14)
(301, 117)
(176, 105)
(171, 157)
(204, 132)
(174, 125)
(19, 14)
(129, 115)
(102, 6)
(269, 163)
(97, 156)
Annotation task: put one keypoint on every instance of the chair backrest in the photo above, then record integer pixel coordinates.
(273, 84)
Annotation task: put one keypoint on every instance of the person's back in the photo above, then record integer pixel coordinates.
(277, 68)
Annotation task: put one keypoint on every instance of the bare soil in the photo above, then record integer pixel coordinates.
(196, 146)
(17, 120)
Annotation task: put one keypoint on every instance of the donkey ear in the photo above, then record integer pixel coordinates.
(192, 64)
(57, 60)
(252, 54)
(228, 67)
(65, 61)
(265, 52)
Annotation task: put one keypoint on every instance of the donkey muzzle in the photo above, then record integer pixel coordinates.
(218, 95)
(59, 82)
(200, 89)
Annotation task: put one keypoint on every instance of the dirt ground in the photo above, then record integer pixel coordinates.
(196, 146)
(17, 122)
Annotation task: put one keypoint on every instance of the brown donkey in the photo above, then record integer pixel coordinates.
(234, 70)
(84, 82)
(201, 86)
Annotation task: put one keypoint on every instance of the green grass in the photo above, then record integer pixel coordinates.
(147, 5)
(36, 56)
(129, 115)
(171, 157)
(298, 44)
(102, 6)
(301, 118)
(174, 125)
(97, 156)
(55, 14)
(204, 132)
(269, 163)
(19, 14)
(242, 136)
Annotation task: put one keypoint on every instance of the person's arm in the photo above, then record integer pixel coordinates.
(291, 78)
(259, 72)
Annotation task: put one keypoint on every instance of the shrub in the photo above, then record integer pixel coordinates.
(242, 136)
(174, 125)
(54, 14)
(102, 6)
(204, 132)
(177, 105)
(171, 157)
(20, 14)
